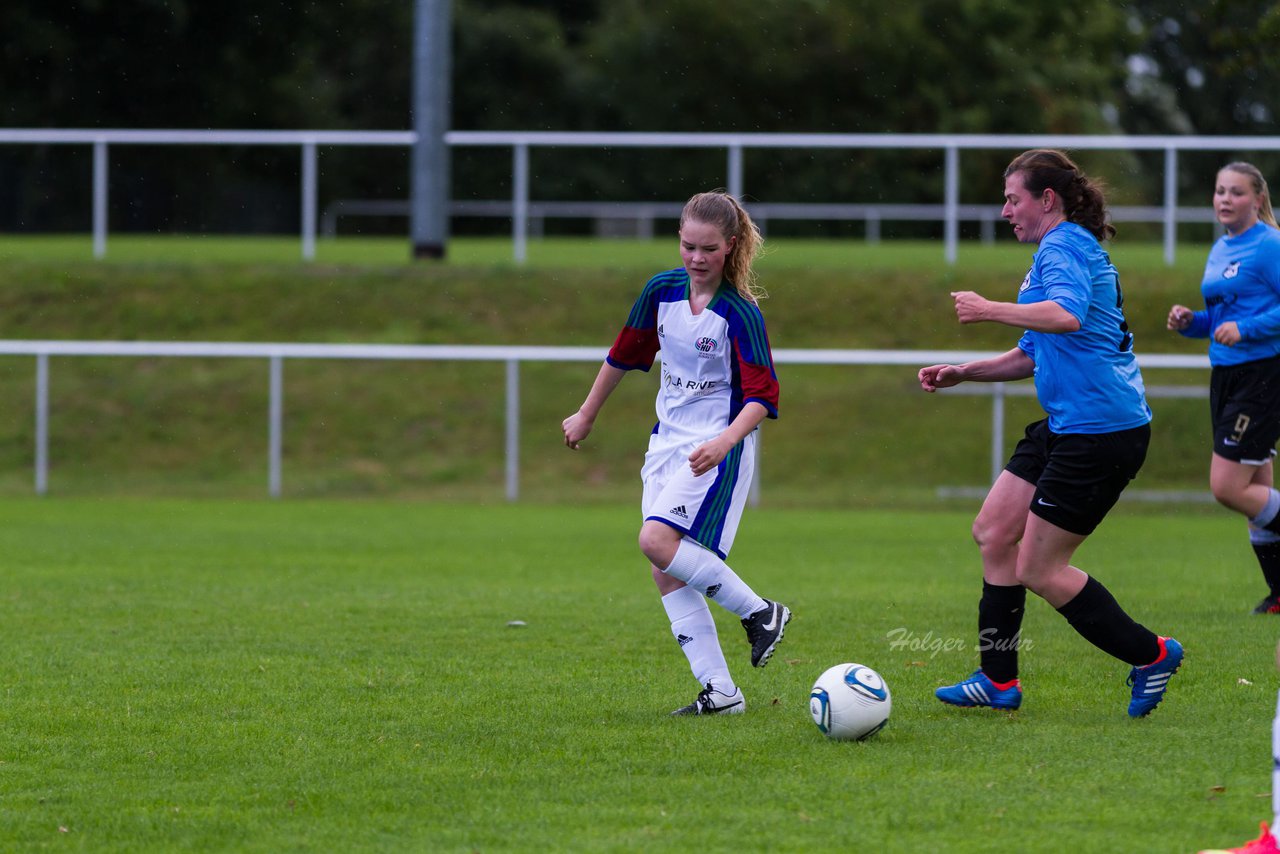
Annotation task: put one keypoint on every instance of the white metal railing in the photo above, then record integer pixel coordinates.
(275, 354)
(643, 214)
(735, 145)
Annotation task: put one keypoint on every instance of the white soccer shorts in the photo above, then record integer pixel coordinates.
(707, 508)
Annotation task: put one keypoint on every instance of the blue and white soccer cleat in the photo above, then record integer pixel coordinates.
(1150, 682)
(978, 690)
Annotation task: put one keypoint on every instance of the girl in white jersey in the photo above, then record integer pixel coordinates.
(718, 385)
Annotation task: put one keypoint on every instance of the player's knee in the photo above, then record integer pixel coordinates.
(658, 543)
(993, 535)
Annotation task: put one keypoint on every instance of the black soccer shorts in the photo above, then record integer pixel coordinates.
(1244, 403)
(1078, 476)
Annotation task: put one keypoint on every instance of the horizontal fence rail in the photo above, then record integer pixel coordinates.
(642, 215)
(512, 357)
(521, 143)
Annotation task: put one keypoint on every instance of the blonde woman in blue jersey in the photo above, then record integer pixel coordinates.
(1070, 468)
(1241, 289)
(718, 384)
(1241, 317)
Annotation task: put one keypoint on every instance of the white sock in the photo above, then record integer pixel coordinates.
(1269, 511)
(703, 569)
(695, 631)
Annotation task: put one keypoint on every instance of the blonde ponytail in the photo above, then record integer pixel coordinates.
(726, 213)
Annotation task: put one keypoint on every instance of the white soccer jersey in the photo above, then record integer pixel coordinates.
(713, 363)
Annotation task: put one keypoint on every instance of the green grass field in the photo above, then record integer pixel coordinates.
(1002, 257)
(190, 668)
(342, 676)
(197, 427)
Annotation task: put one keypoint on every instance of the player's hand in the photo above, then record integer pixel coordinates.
(576, 428)
(970, 307)
(1179, 318)
(935, 377)
(1227, 333)
(708, 455)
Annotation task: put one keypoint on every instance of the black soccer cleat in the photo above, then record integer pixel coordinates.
(1269, 605)
(712, 702)
(764, 630)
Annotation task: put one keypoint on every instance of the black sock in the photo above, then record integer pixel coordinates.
(1269, 559)
(999, 625)
(1100, 620)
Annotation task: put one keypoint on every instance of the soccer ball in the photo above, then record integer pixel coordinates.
(850, 702)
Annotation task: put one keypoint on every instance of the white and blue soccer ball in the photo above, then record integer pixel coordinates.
(850, 702)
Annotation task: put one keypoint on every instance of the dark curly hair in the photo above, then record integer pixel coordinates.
(1083, 201)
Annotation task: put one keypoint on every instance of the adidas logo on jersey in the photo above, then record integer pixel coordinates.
(679, 511)
(713, 590)
(683, 639)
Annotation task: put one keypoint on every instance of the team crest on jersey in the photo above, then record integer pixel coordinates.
(1233, 270)
(706, 346)
(1026, 282)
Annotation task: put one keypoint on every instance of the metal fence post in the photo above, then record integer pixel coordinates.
(520, 200)
(42, 423)
(309, 195)
(735, 170)
(1170, 203)
(100, 199)
(275, 428)
(513, 429)
(951, 201)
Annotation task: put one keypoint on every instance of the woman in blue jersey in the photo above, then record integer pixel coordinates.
(1070, 468)
(718, 384)
(1241, 289)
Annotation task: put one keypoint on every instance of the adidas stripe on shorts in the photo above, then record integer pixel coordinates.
(707, 508)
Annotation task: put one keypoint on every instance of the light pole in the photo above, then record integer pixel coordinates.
(429, 215)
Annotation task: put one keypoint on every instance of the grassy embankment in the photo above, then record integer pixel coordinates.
(848, 436)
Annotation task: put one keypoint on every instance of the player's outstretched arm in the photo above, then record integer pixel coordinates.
(935, 377)
(1045, 316)
(1012, 365)
(578, 425)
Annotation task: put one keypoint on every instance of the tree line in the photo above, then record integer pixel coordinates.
(814, 66)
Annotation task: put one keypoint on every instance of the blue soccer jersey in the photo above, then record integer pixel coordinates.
(1088, 380)
(1242, 283)
(713, 363)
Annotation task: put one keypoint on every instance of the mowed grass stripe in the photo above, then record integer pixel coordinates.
(308, 675)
